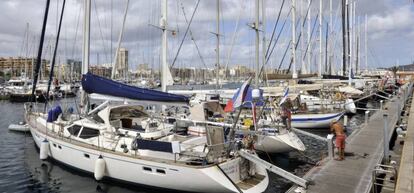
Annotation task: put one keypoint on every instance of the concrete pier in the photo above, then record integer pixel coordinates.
(364, 150)
(405, 180)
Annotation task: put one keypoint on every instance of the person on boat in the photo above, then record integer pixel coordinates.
(287, 113)
(338, 130)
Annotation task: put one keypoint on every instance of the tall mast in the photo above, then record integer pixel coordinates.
(264, 45)
(330, 45)
(294, 73)
(27, 53)
(308, 55)
(344, 35)
(163, 26)
(302, 60)
(349, 23)
(366, 42)
(256, 28)
(218, 45)
(355, 30)
(320, 39)
(86, 46)
(358, 48)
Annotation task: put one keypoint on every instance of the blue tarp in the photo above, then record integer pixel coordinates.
(53, 114)
(247, 101)
(95, 84)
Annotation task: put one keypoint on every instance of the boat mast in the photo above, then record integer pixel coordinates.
(256, 28)
(308, 55)
(366, 42)
(27, 55)
(344, 50)
(330, 45)
(264, 44)
(302, 60)
(163, 26)
(294, 73)
(85, 53)
(218, 45)
(320, 39)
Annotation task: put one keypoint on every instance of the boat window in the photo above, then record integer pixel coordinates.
(148, 169)
(74, 130)
(160, 171)
(88, 133)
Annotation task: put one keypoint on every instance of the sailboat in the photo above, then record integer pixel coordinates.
(103, 141)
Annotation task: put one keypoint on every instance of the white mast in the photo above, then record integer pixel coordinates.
(308, 54)
(320, 39)
(294, 74)
(163, 26)
(27, 55)
(121, 33)
(366, 42)
(302, 49)
(85, 53)
(330, 44)
(358, 67)
(218, 45)
(351, 34)
(256, 28)
(264, 46)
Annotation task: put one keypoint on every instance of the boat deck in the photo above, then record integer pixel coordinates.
(251, 182)
(364, 150)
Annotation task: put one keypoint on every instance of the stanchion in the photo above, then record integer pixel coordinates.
(366, 117)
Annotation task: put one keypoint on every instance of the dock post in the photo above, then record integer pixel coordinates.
(366, 117)
(330, 146)
(385, 140)
(381, 104)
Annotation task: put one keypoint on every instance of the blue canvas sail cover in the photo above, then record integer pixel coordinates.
(95, 84)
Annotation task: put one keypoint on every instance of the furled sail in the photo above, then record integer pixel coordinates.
(95, 84)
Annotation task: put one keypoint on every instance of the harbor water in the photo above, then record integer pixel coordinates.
(21, 170)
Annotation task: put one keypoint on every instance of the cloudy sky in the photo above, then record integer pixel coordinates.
(390, 31)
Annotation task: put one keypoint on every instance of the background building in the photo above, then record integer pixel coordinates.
(122, 63)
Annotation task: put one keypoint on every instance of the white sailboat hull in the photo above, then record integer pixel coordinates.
(310, 121)
(280, 143)
(135, 170)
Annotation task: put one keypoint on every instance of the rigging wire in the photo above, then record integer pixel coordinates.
(100, 30)
(52, 67)
(185, 34)
(192, 37)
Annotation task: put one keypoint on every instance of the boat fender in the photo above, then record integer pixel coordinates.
(44, 149)
(99, 168)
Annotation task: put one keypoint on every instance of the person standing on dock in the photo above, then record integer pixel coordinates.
(340, 136)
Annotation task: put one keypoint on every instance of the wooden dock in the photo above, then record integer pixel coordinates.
(364, 150)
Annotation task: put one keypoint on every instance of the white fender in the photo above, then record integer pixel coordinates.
(350, 106)
(44, 149)
(99, 168)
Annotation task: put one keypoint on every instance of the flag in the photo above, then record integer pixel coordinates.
(285, 96)
(241, 94)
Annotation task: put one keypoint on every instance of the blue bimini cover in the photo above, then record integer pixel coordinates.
(53, 114)
(95, 84)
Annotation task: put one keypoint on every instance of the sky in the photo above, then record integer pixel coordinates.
(390, 31)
